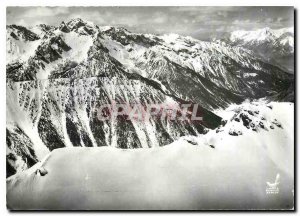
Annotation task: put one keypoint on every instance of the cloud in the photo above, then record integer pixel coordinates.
(200, 22)
(241, 22)
(94, 16)
(158, 18)
(21, 22)
(45, 11)
(269, 20)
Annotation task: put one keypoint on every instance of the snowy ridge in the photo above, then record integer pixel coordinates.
(215, 164)
(254, 124)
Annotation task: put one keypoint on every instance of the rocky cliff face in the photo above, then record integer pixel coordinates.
(57, 77)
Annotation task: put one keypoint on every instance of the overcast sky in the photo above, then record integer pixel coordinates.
(199, 22)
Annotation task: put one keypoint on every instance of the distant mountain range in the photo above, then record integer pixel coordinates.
(275, 46)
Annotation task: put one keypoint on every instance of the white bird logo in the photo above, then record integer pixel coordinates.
(275, 184)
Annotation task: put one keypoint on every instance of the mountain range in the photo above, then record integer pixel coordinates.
(275, 46)
(58, 75)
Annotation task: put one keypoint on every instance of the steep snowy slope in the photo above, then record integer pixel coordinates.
(194, 172)
(65, 115)
(274, 45)
(20, 43)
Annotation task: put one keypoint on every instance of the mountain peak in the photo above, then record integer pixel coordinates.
(266, 30)
(76, 22)
(78, 25)
(78, 19)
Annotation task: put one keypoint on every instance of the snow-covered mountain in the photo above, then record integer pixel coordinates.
(217, 164)
(284, 37)
(57, 76)
(273, 45)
